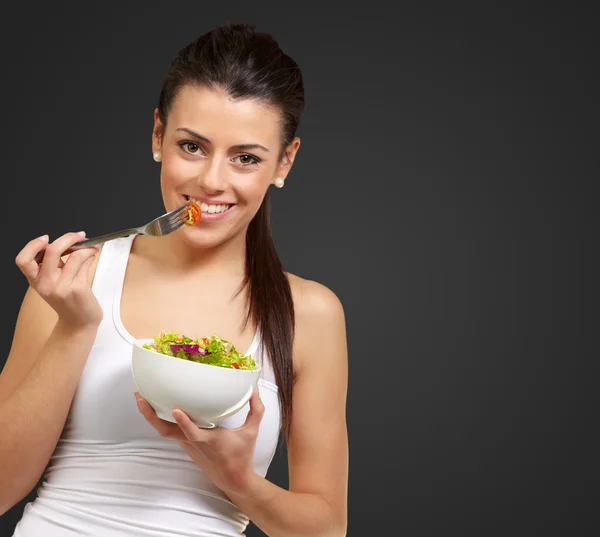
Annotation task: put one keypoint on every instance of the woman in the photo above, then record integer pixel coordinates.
(224, 132)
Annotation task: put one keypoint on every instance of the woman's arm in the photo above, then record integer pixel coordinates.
(33, 415)
(37, 385)
(316, 502)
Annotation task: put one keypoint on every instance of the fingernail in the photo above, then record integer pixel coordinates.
(82, 233)
(177, 414)
(138, 397)
(43, 238)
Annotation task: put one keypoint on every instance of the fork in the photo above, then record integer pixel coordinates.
(163, 225)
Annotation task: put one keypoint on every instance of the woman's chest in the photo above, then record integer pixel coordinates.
(151, 304)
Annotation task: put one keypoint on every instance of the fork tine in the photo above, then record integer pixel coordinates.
(169, 227)
(174, 220)
(179, 210)
(175, 225)
(185, 206)
(172, 216)
(177, 215)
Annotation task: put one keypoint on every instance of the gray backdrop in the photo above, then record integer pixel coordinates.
(440, 191)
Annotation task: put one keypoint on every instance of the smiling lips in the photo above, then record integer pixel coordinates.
(207, 212)
(209, 208)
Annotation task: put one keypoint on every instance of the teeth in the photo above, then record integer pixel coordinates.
(210, 209)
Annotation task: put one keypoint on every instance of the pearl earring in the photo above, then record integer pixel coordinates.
(279, 182)
(156, 156)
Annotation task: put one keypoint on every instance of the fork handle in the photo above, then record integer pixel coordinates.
(92, 242)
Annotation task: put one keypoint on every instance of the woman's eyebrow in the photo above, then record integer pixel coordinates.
(205, 139)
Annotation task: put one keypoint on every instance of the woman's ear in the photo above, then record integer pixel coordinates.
(287, 160)
(157, 131)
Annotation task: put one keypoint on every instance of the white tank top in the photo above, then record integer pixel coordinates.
(112, 474)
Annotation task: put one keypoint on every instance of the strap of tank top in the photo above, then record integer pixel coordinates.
(110, 270)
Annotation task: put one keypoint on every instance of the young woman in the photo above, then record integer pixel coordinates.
(224, 132)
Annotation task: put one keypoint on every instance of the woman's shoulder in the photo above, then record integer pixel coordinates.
(313, 299)
(319, 316)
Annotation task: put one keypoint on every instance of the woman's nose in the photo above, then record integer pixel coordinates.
(212, 178)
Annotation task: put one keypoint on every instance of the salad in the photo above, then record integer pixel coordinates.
(210, 351)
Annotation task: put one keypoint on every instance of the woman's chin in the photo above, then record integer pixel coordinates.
(202, 239)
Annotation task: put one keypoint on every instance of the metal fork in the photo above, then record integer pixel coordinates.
(163, 225)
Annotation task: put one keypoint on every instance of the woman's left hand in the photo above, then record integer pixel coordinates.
(224, 454)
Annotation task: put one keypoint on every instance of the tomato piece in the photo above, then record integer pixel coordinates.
(234, 365)
(194, 214)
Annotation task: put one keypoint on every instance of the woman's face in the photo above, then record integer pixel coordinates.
(222, 153)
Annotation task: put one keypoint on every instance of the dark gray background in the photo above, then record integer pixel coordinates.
(442, 190)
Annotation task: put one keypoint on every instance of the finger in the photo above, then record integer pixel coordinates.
(164, 428)
(83, 276)
(256, 412)
(75, 263)
(55, 250)
(192, 432)
(25, 258)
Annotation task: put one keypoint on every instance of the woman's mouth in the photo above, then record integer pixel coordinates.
(210, 209)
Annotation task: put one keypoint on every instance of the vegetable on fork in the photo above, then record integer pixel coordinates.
(194, 214)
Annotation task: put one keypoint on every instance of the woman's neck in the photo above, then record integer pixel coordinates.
(173, 253)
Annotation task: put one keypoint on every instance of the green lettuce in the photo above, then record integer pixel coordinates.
(210, 351)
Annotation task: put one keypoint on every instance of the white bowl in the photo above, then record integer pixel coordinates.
(206, 393)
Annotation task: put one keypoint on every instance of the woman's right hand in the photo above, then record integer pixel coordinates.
(64, 285)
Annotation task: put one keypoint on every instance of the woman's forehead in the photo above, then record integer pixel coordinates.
(212, 111)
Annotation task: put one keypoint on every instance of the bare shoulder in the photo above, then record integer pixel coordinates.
(320, 317)
(314, 301)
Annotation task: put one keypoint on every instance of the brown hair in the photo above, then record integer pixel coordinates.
(250, 64)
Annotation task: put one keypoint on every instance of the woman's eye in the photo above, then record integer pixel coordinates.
(246, 160)
(190, 147)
